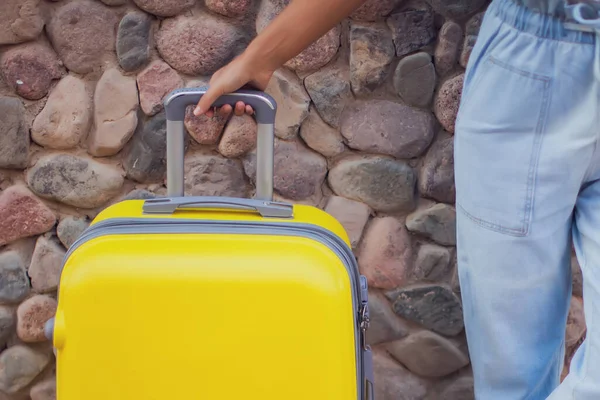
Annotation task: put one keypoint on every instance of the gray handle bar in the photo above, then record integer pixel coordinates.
(265, 109)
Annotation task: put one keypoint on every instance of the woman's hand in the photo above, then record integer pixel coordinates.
(243, 70)
(299, 24)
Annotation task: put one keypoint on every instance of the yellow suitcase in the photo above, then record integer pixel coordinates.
(212, 298)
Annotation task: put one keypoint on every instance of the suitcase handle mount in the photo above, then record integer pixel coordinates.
(265, 108)
(267, 209)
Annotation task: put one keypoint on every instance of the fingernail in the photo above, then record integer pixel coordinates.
(197, 111)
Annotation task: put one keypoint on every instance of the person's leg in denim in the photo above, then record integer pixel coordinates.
(527, 163)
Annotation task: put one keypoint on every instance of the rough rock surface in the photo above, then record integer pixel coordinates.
(314, 56)
(29, 69)
(14, 284)
(14, 137)
(165, 8)
(133, 41)
(412, 29)
(371, 53)
(204, 130)
(20, 21)
(437, 223)
(446, 51)
(209, 42)
(385, 253)
(214, 175)
(374, 10)
(229, 8)
(299, 171)
(46, 264)
(321, 137)
(432, 263)
(292, 103)
(7, 324)
(457, 9)
(385, 127)
(415, 79)
(330, 91)
(353, 215)
(22, 214)
(115, 113)
(384, 184)
(19, 366)
(83, 33)
(66, 118)
(447, 102)
(433, 306)
(393, 381)
(239, 136)
(428, 354)
(70, 228)
(471, 32)
(436, 179)
(32, 314)
(73, 180)
(145, 155)
(44, 390)
(385, 326)
(156, 81)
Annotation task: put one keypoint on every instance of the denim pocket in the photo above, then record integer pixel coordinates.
(498, 138)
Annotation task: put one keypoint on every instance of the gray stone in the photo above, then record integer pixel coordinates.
(329, 89)
(385, 326)
(415, 79)
(74, 180)
(14, 135)
(371, 53)
(214, 175)
(374, 10)
(299, 171)
(433, 262)
(70, 228)
(7, 324)
(386, 185)
(471, 32)
(133, 36)
(14, 284)
(446, 51)
(436, 179)
(437, 223)
(19, 366)
(428, 354)
(321, 137)
(165, 8)
(458, 389)
(385, 127)
(145, 155)
(44, 390)
(433, 306)
(292, 103)
(412, 29)
(139, 194)
(457, 9)
(393, 381)
(46, 264)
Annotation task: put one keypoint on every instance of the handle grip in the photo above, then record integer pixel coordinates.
(267, 209)
(265, 108)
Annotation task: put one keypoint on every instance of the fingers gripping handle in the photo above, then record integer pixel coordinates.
(265, 109)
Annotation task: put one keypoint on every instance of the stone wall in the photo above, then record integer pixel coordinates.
(364, 130)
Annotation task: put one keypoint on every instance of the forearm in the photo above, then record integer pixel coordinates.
(301, 23)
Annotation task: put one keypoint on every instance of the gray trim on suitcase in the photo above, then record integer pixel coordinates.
(265, 108)
(120, 226)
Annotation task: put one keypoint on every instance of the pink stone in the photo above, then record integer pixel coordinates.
(374, 10)
(46, 264)
(353, 215)
(29, 69)
(22, 214)
(156, 81)
(385, 253)
(44, 390)
(447, 102)
(165, 8)
(20, 21)
(239, 136)
(204, 130)
(229, 8)
(32, 314)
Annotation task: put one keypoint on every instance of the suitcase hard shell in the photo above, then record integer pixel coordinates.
(210, 297)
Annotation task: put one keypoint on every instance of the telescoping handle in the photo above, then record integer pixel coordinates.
(265, 109)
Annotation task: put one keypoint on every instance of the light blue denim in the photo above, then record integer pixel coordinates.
(527, 172)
